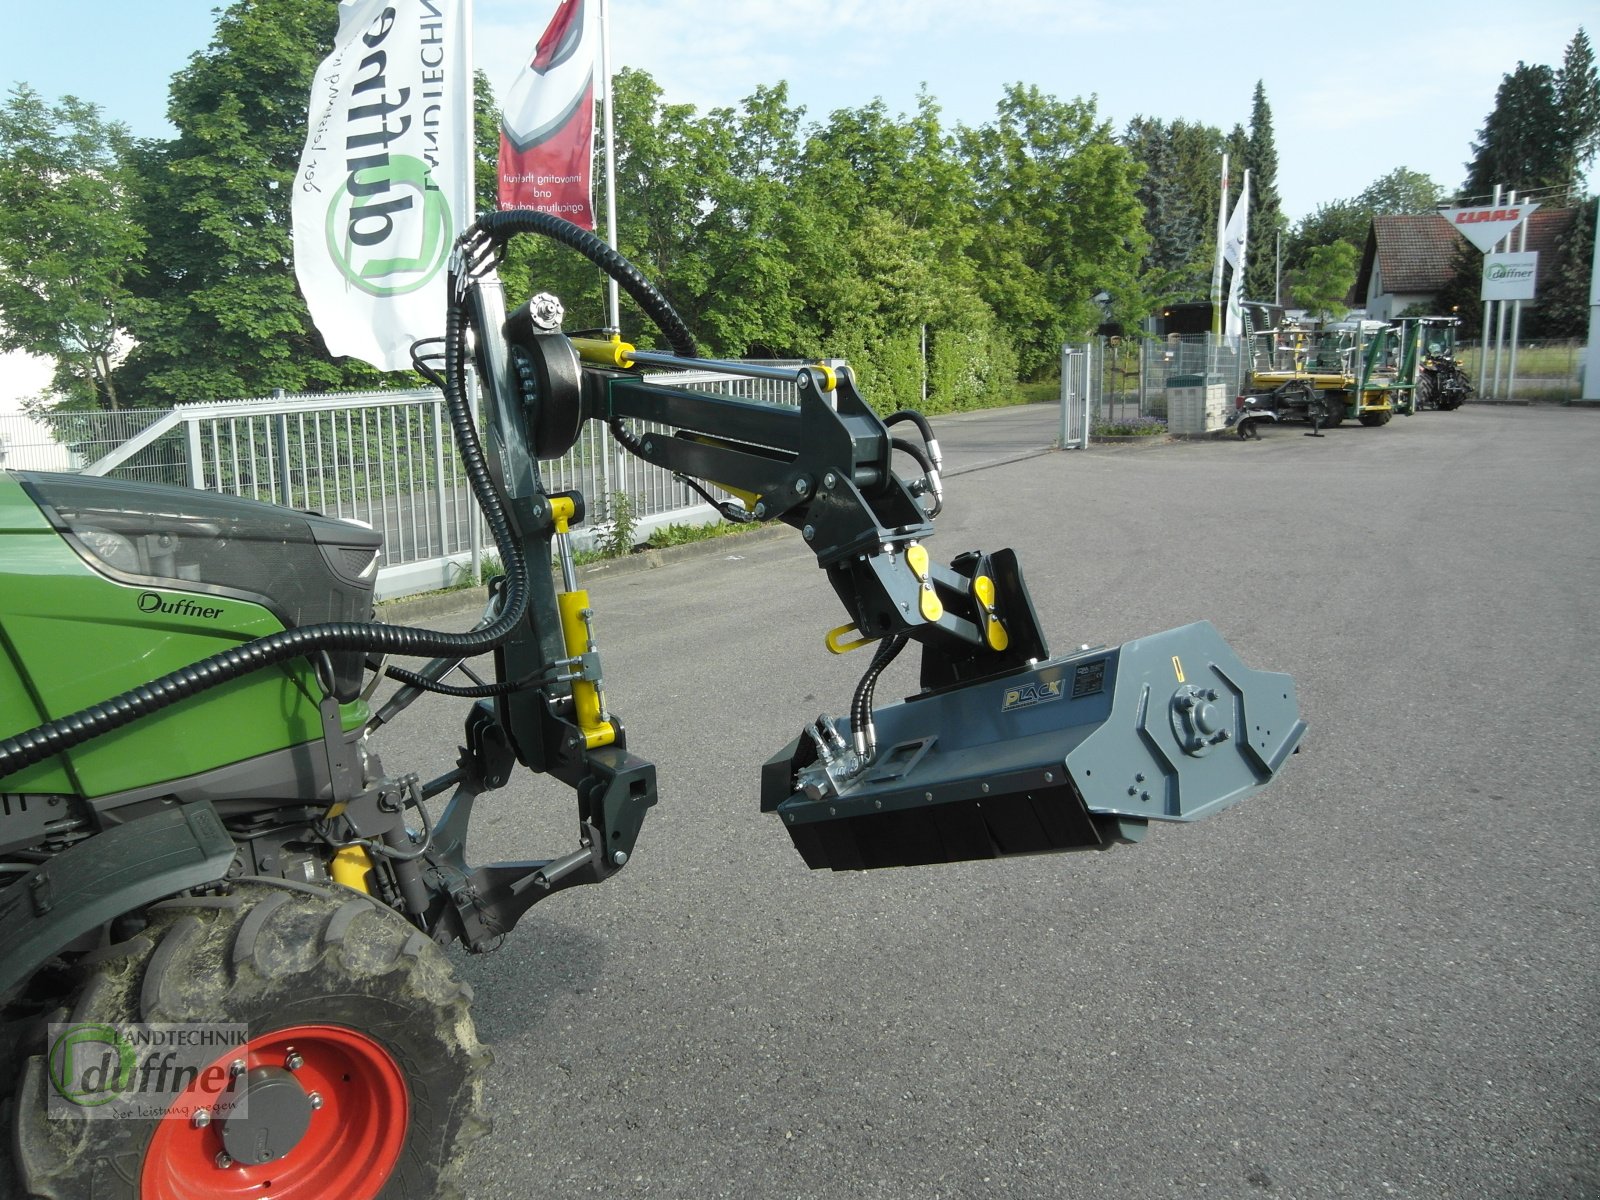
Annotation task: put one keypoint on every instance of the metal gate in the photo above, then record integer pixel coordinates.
(1077, 397)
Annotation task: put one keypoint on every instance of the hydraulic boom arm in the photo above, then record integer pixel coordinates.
(1003, 750)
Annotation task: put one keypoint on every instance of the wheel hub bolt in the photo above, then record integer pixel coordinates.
(316, 1100)
(236, 1068)
(293, 1060)
(224, 1160)
(200, 1118)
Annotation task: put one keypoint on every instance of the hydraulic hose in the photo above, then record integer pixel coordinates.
(502, 225)
(54, 737)
(861, 723)
(657, 307)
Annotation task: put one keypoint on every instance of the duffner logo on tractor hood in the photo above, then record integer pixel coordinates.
(1485, 226)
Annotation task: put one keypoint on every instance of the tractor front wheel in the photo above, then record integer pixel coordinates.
(1375, 418)
(1427, 393)
(351, 1070)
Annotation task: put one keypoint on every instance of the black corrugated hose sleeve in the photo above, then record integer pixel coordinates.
(657, 307)
(53, 737)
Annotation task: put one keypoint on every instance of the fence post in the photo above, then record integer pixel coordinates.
(1094, 386)
(1066, 397)
(438, 475)
(197, 474)
(1144, 398)
(285, 490)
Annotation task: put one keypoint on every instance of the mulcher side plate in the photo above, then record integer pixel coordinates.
(1075, 753)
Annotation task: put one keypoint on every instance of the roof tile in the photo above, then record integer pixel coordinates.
(1415, 251)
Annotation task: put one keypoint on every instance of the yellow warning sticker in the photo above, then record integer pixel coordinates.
(1177, 668)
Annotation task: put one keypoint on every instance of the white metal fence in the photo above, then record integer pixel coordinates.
(1114, 381)
(66, 441)
(1182, 357)
(383, 458)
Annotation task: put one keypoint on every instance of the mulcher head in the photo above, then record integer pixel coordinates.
(1075, 753)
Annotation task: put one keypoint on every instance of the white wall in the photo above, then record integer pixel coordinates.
(21, 375)
(23, 443)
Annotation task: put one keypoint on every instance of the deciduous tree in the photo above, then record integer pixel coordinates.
(1326, 279)
(1059, 220)
(68, 240)
(1402, 190)
(220, 314)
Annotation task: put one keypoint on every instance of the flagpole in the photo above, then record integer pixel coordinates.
(1216, 270)
(468, 214)
(611, 163)
(1233, 323)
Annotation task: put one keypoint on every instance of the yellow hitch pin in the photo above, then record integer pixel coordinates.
(830, 380)
(838, 645)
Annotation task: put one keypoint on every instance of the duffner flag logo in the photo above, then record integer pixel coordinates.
(547, 128)
(1486, 226)
(384, 180)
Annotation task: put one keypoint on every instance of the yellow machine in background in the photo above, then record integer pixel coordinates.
(1361, 368)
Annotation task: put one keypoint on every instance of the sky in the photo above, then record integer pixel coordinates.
(1356, 88)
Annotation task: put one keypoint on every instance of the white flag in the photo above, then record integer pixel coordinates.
(385, 181)
(1234, 241)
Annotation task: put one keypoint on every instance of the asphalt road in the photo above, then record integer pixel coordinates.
(1377, 978)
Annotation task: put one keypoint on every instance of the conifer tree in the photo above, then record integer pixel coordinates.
(1266, 211)
(1577, 94)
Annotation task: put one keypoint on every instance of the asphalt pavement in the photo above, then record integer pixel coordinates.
(1377, 978)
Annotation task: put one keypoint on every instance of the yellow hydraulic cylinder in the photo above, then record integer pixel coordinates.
(613, 353)
(588, 701)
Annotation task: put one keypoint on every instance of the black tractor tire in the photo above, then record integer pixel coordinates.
(1333, 407)
(1427, 393)
(308, 971)
(1375, 418)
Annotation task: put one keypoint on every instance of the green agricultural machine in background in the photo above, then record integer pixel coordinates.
(1442, 382)
(196, 831)
(1361, 369)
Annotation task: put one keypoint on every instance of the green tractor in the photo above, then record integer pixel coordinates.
(1442, 382)
(201, 850)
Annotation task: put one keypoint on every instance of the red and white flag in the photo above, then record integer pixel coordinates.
(547, 126)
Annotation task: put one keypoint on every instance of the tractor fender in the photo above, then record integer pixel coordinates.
(114, 872)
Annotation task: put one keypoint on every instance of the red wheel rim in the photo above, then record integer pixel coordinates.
(348, 1152)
